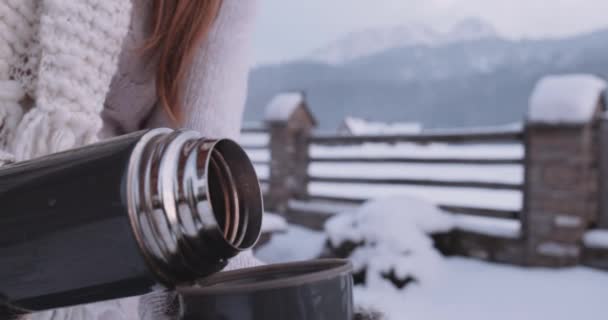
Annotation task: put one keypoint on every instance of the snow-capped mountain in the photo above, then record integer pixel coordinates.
(371, 41)
(480, 79)
(468, 30)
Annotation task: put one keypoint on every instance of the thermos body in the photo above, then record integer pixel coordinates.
(122, 217)
(66, 236)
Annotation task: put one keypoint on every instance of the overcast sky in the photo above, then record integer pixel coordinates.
(292, 28)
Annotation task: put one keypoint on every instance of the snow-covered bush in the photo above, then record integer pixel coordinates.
(388, 239)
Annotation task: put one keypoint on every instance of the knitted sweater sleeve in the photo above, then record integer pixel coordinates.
(214, 96)
(215, 92)
(216, 86)
(213, 103)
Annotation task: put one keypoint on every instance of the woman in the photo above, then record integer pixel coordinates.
(73, 72)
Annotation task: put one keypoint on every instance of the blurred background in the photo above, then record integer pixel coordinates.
(455, 150)
(440, 63)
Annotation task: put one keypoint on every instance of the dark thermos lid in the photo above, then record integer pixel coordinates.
(310, 290)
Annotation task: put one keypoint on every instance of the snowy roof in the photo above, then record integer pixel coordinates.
(565, 99)
(282, 106)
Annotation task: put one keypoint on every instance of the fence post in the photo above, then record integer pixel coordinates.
(289, 123)
(561, 196)
(603, 169)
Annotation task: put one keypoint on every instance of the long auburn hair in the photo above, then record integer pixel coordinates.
(178, 27)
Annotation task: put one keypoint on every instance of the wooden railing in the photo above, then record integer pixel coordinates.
(476, 137)
(497, 137)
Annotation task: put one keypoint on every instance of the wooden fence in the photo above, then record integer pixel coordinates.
(496, 137)
(558, 190)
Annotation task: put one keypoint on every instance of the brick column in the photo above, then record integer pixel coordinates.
(561, 196)
(290, 123)
(603, 170)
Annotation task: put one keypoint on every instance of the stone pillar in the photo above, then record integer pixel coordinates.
(603, 170)
(289, 123)
(561, 196)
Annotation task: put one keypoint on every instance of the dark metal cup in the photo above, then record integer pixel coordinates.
(310, 290)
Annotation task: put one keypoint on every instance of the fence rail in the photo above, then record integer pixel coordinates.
(501, 136)
(485, 212)
(418, 182)
(466, 161)
(477, 137)
(253, 128)
(260, 162)
(255, 146)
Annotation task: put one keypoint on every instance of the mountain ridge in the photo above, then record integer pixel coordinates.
(370, 41)
(469, 83)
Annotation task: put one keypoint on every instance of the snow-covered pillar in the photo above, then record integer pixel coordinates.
(290, 123)
(561, 197)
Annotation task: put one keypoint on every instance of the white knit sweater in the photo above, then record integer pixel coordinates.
(63, 54)
(65, 81)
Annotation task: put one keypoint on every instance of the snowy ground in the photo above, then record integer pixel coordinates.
(459, 288)
(296, 244)
(469, 289)
(475, 290)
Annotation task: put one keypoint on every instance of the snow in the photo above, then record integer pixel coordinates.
(357, 126)
(416, 150)
(498, 227)
(468, 289)
(254, 139)
(374, 40)
(367, 42)
(321, 206)
(273, 223)
(296, 244)
(387, 220)
(471, 197)
(476, 290)
(565, 99)
(393, 233)
(437, 172)
(596, 239)
(282, 106)
(420, 262)
(258, 155)
(506, 128)
(471, 29)
(568, 221)
(262, 170)
(468, 197)
(557, 249)
(264, 187)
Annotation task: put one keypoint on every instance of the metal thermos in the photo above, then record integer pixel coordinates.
(152, 209)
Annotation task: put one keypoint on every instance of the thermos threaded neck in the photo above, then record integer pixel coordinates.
(193, 203)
